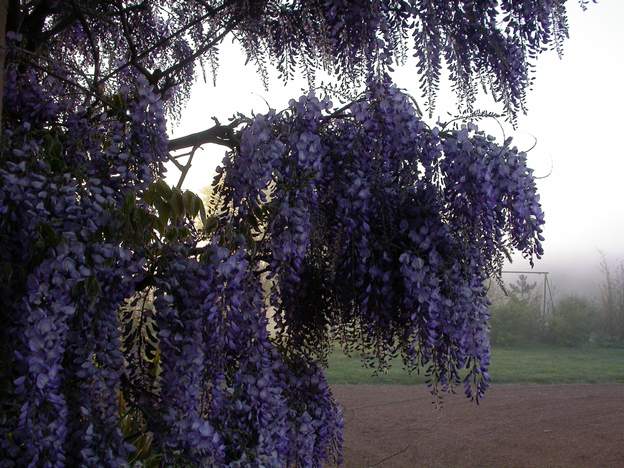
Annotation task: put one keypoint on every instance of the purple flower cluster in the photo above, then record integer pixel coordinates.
(279, 165)
(399, 228)
(63, 182)
(371, 228)
(182, 319)
(228, 396)
(493, 42)
(316, 422)
(491, 191)
(222, 392)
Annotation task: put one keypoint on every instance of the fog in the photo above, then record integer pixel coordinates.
(574, 115)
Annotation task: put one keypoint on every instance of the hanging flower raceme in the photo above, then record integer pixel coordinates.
(228, 396)
(182, 319)
(366, 226)
(401, 226)
(64, 183)
(70, 372)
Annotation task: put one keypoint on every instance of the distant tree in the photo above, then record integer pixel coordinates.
(572, 321)
(516, 320)
(522, 289)
(129, 334)
(612, 301)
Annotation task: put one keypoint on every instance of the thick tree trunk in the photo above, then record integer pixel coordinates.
(4, 6)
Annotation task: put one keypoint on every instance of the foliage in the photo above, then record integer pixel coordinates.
(572, 321)
(517, 320)
(120, 313)
(351, 235)
(612, 303)
(523, 290)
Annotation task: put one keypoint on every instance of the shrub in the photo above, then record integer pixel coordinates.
(572, 322)
(516, 321)
(612, 304)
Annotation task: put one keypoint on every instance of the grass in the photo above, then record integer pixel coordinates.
(539, 364)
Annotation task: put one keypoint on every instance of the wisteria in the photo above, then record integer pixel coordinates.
(138, 329)
(231, 398)
(491, 44)
(57, 210)
(403, 223)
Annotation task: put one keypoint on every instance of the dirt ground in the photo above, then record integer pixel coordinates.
(515, 426)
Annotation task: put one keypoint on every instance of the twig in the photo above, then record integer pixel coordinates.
(173, 35)
(176, 163)
(182, 63)
(186, 168)
(389, 457)
(133, 52)
(95, 51)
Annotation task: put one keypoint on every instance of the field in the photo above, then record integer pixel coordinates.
(539, 412)
(542, 364)
(517, 425)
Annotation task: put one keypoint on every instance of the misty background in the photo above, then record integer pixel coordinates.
(574, 115)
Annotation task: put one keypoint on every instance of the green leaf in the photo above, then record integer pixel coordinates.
(129, 203)
(92, 287)
(176, 201)
(162, 188)
(190, 205)
(210, 223)
(202, 216)
(164, 215)
(150, 196)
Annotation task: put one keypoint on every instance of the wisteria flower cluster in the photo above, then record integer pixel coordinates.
(491, 43)
(132, 335)
(382, 232)
(229, 396)
(62, 184)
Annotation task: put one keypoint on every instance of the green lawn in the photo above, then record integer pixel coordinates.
(539, 364)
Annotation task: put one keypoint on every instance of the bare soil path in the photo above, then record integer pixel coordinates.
(515, 426)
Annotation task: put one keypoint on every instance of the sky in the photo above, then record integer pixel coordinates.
(574, 114)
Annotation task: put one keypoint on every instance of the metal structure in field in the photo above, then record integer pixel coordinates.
(547, 300)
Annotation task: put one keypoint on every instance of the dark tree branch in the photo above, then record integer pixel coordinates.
(185, 169)
(59, 27)
(95, 51)
(224, 135)
(71, 17)
(173, 159)
(200, 51)
(32, 60)
(133, 51)
(33, 24)
(14, 16)
(210, 13)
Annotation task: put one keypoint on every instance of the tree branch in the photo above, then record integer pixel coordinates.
(185, 169)
(183, 29)
(182, 63)
(95, 51)
(224, 135)
(133, 51)
(32, 60)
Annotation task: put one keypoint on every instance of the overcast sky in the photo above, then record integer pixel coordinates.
(574, 112)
